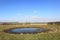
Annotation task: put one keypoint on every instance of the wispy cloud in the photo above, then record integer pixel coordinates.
(37, 19)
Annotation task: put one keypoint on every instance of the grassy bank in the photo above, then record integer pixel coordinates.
(40, 36)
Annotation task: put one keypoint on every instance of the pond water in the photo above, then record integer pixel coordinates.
(26, 30)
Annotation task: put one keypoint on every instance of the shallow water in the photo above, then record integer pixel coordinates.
(26, 30)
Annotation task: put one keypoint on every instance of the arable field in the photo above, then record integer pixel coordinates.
(52, 35)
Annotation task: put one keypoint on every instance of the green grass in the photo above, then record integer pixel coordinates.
(39, 36)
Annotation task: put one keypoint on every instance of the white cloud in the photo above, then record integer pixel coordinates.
(37, 19)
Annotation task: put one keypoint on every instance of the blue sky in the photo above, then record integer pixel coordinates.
(29, 10)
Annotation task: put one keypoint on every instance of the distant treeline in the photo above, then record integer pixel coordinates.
(9, 23)
(12, 23)
(54, 23)
(17, 23)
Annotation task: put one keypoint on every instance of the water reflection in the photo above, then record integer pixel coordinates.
(26, 30)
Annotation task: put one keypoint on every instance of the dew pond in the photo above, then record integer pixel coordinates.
(25, 30)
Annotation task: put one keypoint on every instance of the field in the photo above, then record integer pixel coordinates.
(52, 35)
